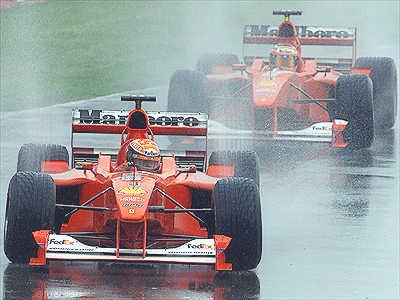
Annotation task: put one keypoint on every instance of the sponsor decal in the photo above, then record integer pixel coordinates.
(152, 152)
(319, 127)
(263, 90)
(63, 242)
(302, 31)
(145, 147)
(129, 176)
(191, 252)
(131, 211)
(285, 49)
(174, 121)
(88, 249)
(200, 246)
(267, 84)
(136, 191)
(136, 183)
(131, 199)
(264, 95)
(132, 204)
(97, 116)
(126, 199)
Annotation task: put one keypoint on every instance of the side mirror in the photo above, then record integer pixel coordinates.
(83, 165)
(324, 69)
(239, 67)
(187, 169)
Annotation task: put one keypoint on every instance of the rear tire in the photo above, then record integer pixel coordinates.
(384, 79)
(355, 105)
(245, 163)
(230, 103)
(238, 215)
(187, 92)
(31, 204)
(30, 156)
(208, 61)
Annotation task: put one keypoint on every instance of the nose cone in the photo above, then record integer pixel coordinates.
(272, 86)
(132, 195)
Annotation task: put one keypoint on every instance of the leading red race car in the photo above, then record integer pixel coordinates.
(138, 204)
(287, 96)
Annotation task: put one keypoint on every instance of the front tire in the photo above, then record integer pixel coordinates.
(355, 105)
(31, 204)
(238, 215)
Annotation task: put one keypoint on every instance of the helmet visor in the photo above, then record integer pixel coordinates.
(147, 165)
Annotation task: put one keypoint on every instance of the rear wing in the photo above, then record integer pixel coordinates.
(308, 36)
(88, 125)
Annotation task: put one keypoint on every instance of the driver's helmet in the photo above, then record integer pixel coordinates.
(144, 155)
(284, 56)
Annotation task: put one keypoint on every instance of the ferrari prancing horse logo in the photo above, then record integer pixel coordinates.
(136, 191)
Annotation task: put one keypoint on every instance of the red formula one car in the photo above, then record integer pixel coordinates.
(137, 203)
(287, 96)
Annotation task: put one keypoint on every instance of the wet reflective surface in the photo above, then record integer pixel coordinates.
(112, 281)
(330, 227)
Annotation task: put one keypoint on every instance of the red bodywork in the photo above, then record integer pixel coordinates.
(125, 197)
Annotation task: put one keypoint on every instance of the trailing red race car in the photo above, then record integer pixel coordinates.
(287, 96)
(135, 203)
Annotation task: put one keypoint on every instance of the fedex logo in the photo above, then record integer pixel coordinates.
(63, 242)
(200, 246)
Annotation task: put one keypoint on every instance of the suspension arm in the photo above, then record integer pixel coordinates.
(309, 96)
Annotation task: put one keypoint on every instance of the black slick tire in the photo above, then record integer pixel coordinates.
(208, 61)
(30, 156)
(187, 92)
(384, 79)
(355, 104)
(31, 203)
(230, 103)
(245, 163)
(238, 215)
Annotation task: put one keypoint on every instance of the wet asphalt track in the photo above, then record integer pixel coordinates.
(330, 227)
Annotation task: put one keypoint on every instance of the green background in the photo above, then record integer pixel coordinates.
(63, 51)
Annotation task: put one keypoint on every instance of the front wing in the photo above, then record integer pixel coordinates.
(322, 132)
(197, 251)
